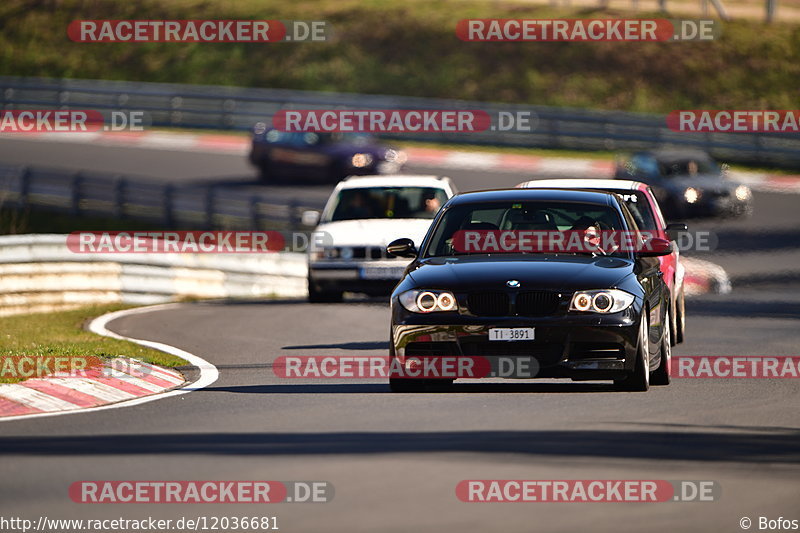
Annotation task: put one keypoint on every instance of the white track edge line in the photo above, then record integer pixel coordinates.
(208, 372)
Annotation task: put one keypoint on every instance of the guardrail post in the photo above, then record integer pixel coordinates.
(553, 133)
(119, 196)
(75, 193)
(24, 187)
(169, 216)
(255, 214)
(294, 219)
(210, 207)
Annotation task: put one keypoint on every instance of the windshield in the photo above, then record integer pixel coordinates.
(387, 202)
(315, 138)
(501, 218)
(637, 203)
(688, 167)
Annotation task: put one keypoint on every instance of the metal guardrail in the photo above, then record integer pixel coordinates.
(221, 107)
(40, 273)
(167, 205)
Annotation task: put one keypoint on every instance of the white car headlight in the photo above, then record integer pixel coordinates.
(361, 160)
(691, 195)
(421, 301)
(743, 193)
(601, 301)
(395, 156)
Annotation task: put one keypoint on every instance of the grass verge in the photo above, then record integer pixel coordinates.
(61, 334)
(410, 48)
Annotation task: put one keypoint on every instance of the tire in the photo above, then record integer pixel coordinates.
(639, 379)
(680, 317)
(673, 322)
(317, 296)
(661, 374)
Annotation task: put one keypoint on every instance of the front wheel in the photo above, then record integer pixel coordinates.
(680, 317)
(639, 379)
(661, 374)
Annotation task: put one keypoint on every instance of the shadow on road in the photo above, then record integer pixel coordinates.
(359, 388)
(706, 446)
(373, 345)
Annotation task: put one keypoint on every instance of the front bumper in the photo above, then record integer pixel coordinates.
(719, 206)
(371, 277)
(578, 347)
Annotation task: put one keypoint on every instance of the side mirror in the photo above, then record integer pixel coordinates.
(655, 247)
(674, 230)
(402, 248)
(310, 218)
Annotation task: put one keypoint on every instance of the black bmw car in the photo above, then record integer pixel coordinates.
(579, 315)
(298, 157)
(687, 183)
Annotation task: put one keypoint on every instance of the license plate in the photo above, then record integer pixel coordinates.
(511, 334)
(382, 272)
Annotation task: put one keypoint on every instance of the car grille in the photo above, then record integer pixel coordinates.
(363, 252)
(537, 303)
(488, 303)
(528, 303)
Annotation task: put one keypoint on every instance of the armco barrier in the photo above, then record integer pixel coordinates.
(170, 206)
(39, 273)
(221, 107)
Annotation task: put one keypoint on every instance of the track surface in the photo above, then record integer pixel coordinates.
(395, 459)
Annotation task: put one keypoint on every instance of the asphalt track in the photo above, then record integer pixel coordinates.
(395, 459)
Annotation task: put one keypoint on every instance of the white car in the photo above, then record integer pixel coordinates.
(347, 251)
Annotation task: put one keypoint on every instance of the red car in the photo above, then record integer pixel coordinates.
(643, 205)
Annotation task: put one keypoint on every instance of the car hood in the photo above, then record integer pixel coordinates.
(705, 182)
(373, 232)
(557, 272)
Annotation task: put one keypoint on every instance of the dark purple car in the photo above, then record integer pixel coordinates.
(295, 157)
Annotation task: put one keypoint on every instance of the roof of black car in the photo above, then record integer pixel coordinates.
(510, 195)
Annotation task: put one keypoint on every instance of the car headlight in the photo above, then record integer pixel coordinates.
(691, 195)
(743, 193)
(601, 301)
(361, 160)
(420, 301)
(259, 128)
(395, 156)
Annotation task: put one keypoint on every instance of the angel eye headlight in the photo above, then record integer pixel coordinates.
(601, 301)
(418, 301)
